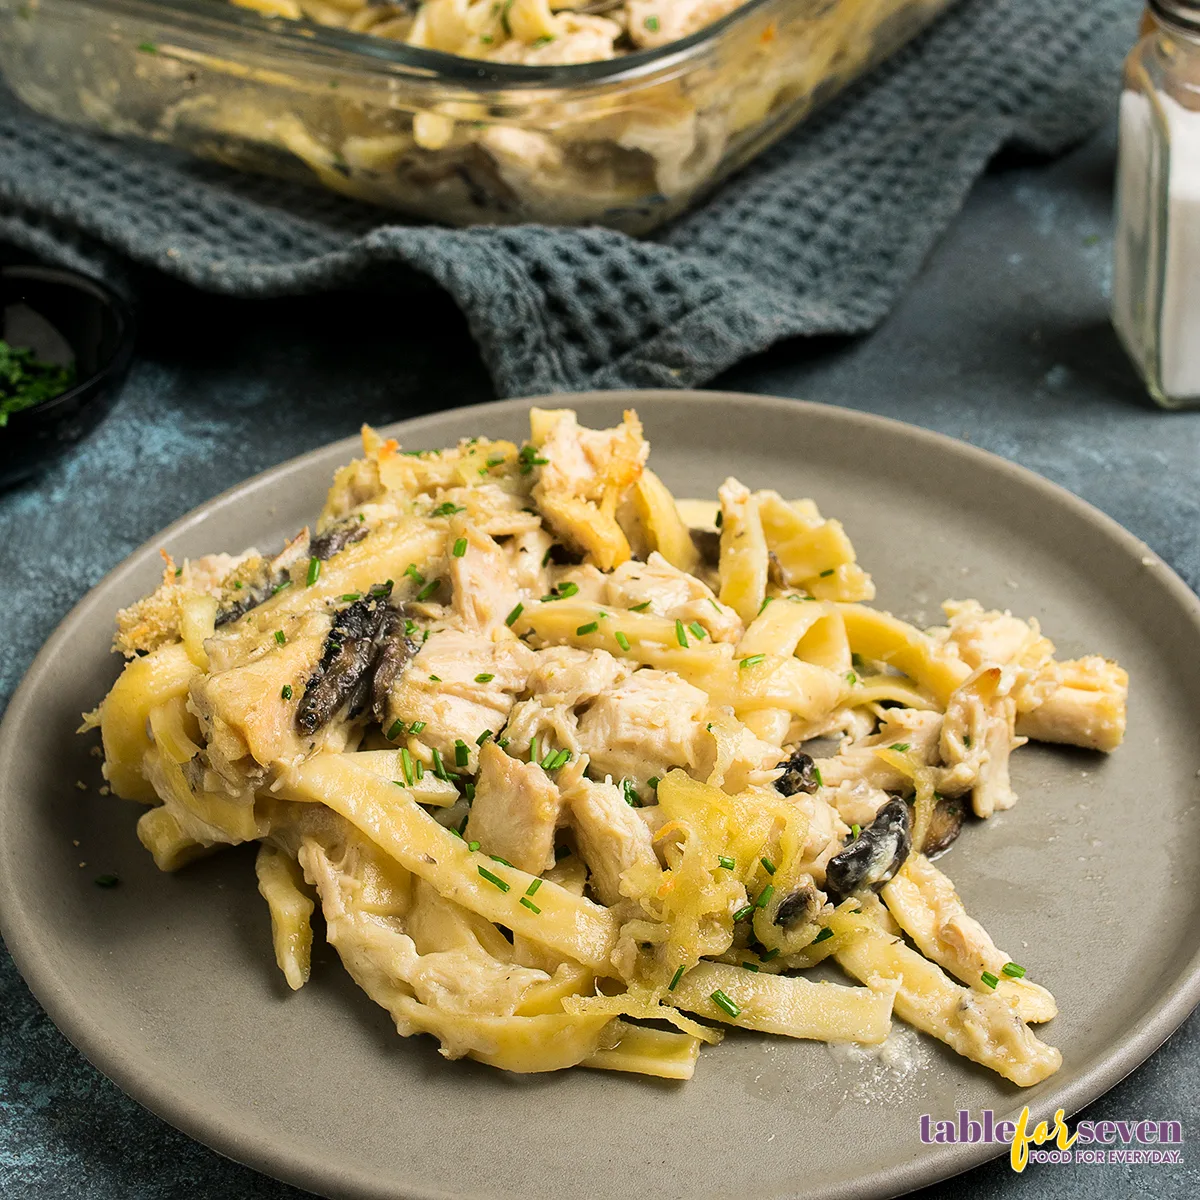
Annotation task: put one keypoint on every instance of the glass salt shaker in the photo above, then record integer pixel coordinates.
(1156, 263)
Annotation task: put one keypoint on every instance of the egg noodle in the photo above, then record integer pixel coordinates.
(580, 774)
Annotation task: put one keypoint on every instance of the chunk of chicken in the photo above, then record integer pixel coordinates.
(567, 676)
(856, 801)
(613, 840)
(460, 684)
(484, 589)
(645, 726)
(673, 594)
(977, 734)
(991, 637)
(583, 479)
(1087, 708)
(515, 811)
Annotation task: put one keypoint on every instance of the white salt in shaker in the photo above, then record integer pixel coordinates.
(1156, 264)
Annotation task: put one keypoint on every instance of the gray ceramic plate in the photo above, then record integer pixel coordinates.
(167, 982)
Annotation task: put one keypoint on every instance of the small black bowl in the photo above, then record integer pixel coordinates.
(62, 317)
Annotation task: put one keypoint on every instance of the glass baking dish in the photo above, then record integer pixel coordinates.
(627, 142)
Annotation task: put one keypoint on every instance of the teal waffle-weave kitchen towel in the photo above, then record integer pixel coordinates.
(817, 236)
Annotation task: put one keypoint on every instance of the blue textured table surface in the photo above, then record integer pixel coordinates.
(1004, 341)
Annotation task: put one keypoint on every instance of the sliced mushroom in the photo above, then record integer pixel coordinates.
(366, 636)
(798, 908)
(395, 653)
(799, 775)
(874, 856)
(708, 546)
(337, 537)
(944, 825)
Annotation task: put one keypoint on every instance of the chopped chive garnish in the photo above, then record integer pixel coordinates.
(531, 890)
(752, 661)
(645, 604)
(435, 679)
(855, 830)
(511, 619)
(529, 904)
(395, 730)
(584, 630)
(823, 936)
(764, 896)
(749, 966)
(460, 548)
(723, 1001)
(899, 747)
(726, 862)
(472, 846)
(567, 589)
(851, 678)
(560, 759)
(147, 47)
(527, 456)
(428, 590)
(533, 749)
(720, 519)
(743, 913)
(621, 640)
(413, 574)
(286, 691)
(416, 727)
(631, 794)
(989, 979)
(826, 573)
(680, 634)
(769, 954)
(495, 460)
(280, 636)
(287, 583)
(314, 571)
(420, 769)
(652, 24)
(350, 597)
(698, 630)
(406, 765)
(966, 741)
(653, 782)
(237, 584)
(768, 865)
(447, 509)
(502, 742)
(462, 755)
(547, 556)
(1013, 970)
(106, 881)
(817, 776)
(456, 833)
(502, 861)
(484, 677)
(675, 979)
(494, 880)
(483, 737)
(468, 791)
(439, 767)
